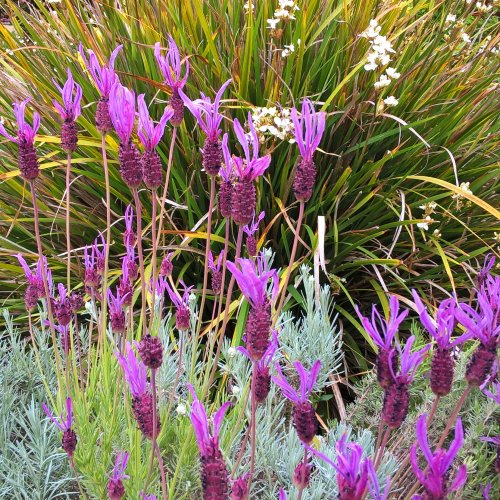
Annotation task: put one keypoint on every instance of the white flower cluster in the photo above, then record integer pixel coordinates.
(465, 186)
(483, 7)
(289, 49)
(428, 209)
(379, 54)
(274, 121)
(284, 12)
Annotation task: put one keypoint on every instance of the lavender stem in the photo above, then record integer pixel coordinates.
(141, 258)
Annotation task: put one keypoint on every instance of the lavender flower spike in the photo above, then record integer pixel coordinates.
(150, 136)
(396, 396)
(308, 130)
(250, 230)
(435, 479)
(170, 66)
(104, 78)
(383, 333)
(252, 278)
(122, 112)
(352, 472)
(215, 269)
(214, 474)
(35, 289)
(69, 439)
(116, 312)
(27, 159)
(304, 416)
(115, 487)
(209, 119)
(247, 170)
(182, 314)
(441, 329)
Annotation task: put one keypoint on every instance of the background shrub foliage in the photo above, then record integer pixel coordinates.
(377, 165)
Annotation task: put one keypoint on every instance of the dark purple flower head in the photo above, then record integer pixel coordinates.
(206, 112)
(104, 76)
(135, 371)
(383, 331)
(70, 110)
(62, 306)
(252, 278)
(170, 65)
(409, 361)
(307, 381)
(252, 228)
(122, 111)
(207, 435)
(149, 133)
(167, 267)
(63, 424)
(352, 471)
(309, 128)
(435, 478)
(239, 489)
(268, 356)
(25, 133)
(251, 166)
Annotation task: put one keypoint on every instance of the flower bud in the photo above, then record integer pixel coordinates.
(302, 475)
(118, 322)
(166, 267)
(69, 136)
(212, 156)
(115, 488)
(130, 164)
(102, 119)
(182, 318)
(151, 351)
(441, 372)
(243, 202)
(305, 178)
(152, 169)
(305, 421)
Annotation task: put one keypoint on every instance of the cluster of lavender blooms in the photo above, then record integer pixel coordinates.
(397, 361)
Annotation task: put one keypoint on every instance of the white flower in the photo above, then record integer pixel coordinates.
(272, 23)
(299, 41)
(465, 187)
(425, 225)
(289, 49)
(483, 7)
(392, 73)
(181, 409)
(450, 18)
(465, 37)
(383, 82)
(436, 233)
(391, 101)
(235, 390)
(372, 31)
(384, 59)
(231, 352)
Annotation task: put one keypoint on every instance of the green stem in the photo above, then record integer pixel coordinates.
(68, 235)
(141, 259)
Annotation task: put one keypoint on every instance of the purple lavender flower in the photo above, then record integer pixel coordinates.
(116, 312)
(129, 236)
(166, 266)
(485, 491)
(243, 200)
(302, 475)
(374, 486)
(484, 325)
(282, 494)
(151, 351)
(104, 78)
(435, 478)
(35, 288)
(252, 278)
(214, 475)
(25, 140)
(150, 136)
(209, 119)
(115, 487)
(62, 306)
(215, 269)
(182, 314)
(226, 186)
(144, 496)
(69, 439)
(263, 377)
(125, 288)
(170, 66)
(308, 131)
(250, 230)
(484, 273)
(69, 111)
(441, 329)
(94, 264)
(142, 402)
(383, 333)
(304, 416)
(122, 112)
(239, 489)
(396, 396)
(353, 472)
